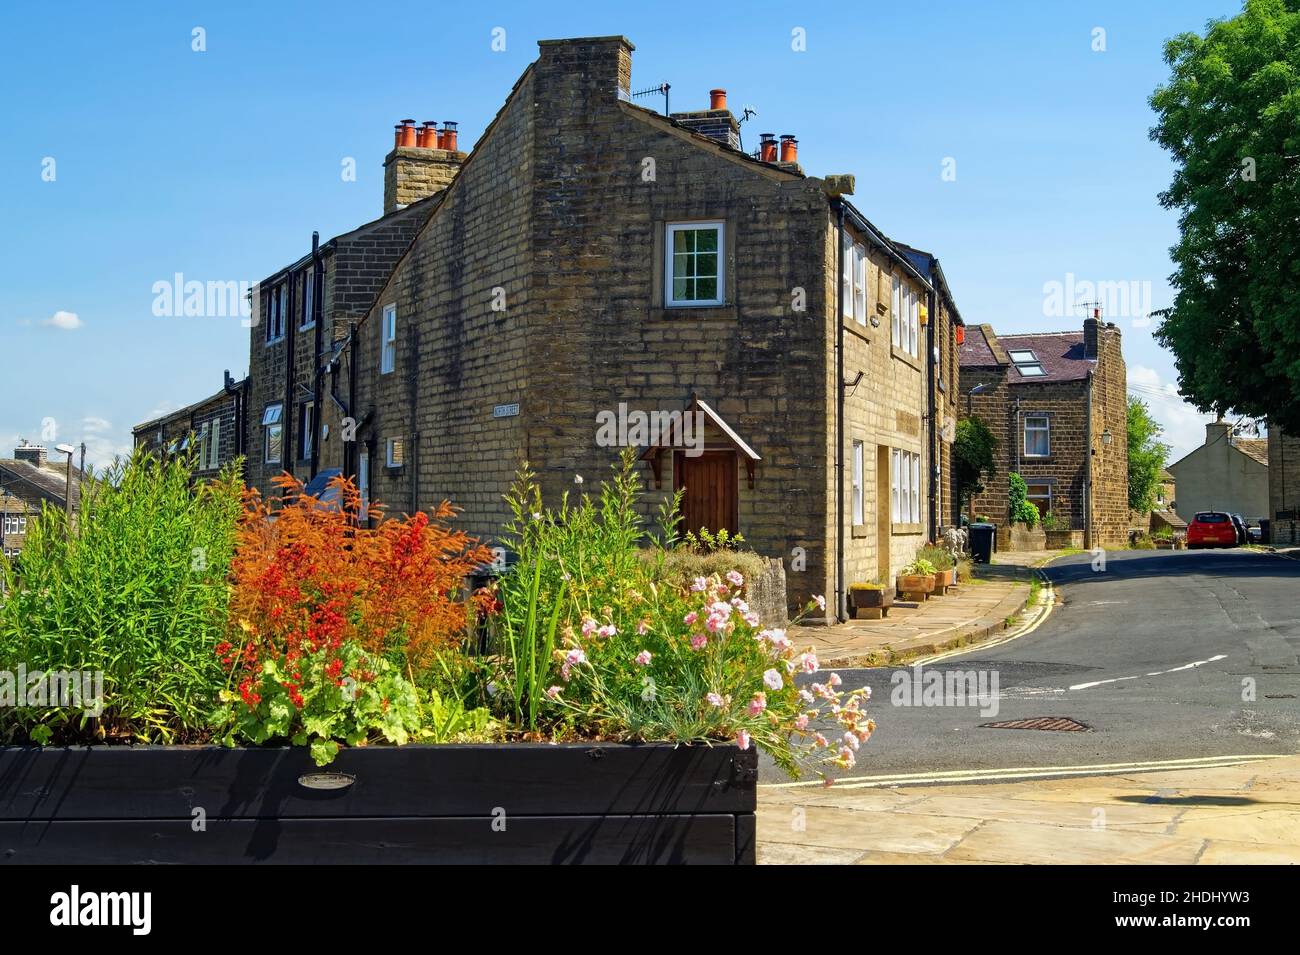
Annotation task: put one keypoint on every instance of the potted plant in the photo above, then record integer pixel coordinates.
(916, 581)
(307, 689)
(945, 573)
(871, 601)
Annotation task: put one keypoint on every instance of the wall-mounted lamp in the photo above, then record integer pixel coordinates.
(1105, 437)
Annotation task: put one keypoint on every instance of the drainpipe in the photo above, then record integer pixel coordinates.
(238, 395)
(933, 463)
(290, 343)
(841, 608)
(317, 396)
(1087, 472)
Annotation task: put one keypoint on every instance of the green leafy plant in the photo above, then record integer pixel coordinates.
(1146, 456)
(920, 567)
(939, 557)
(973, 462)
(136, 590)
(705, 541)
(1053, 523)
(1022, 510)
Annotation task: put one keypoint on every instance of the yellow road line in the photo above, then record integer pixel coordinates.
(969, 775)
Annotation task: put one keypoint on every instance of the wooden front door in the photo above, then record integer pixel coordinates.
(709, 481)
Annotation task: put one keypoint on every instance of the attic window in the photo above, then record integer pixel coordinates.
(1027, 362)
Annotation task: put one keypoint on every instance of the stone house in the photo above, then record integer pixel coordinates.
(1283, 487)
(1057, 404)
(594, 276)
(212, 428)
(597, 261)
(28, 481)
(1227, 473)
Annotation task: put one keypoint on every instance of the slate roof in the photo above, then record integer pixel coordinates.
(20, 477)
(1060, 353)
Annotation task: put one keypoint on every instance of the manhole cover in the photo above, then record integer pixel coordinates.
(1279, 696)
(1058, 724)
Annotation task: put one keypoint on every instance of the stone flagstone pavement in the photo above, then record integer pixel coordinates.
(1246, 813)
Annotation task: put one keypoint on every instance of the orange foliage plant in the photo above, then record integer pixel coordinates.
(309, 577)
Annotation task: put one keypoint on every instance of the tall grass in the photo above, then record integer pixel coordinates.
(137, 589)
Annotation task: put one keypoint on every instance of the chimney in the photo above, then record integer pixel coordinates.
(1092, 334)
(1218, 431)
(33, 454)
(767, 147)
(716, 122)
(423, 162)
(584, 70)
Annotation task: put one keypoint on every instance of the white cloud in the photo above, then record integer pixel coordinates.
(1184, 426)
(68, 321)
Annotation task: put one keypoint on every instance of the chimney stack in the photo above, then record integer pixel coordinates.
(716, 122)
(1092, 334)
(33, 454)
(767, 147)
(423, 162)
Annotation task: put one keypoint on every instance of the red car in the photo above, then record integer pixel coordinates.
(1212, 529)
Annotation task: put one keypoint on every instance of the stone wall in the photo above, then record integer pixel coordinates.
(1284, 487)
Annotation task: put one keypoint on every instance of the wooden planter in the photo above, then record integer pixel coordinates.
(943, 579)
(916, 586)
(509, 803)
(872, 604)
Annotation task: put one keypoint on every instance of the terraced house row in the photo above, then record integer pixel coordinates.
(590, 260)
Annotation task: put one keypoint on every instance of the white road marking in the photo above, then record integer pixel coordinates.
(1120, 679)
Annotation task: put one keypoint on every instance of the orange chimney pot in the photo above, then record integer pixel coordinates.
(717, 99)
(789, 149)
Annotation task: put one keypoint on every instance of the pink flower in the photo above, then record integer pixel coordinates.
(820, 601)
(751, 618)
(699, 641)
(554, 692)
(716, 623)
(834, 680)
(609, 630)
(700, 585)
(575, 656)
(758, 704)
(714, 700)
(735, 577)
(821, 740)
(846, 759)
(801, 721)
(742, 739)
(851, 741)
(643, 658)
(807, 663)
(642, 628)
(588, 626)
(805, 696)
(690, 618)
(772, 679)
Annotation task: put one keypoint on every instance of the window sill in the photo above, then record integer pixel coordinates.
(725, 310)
(905, 357)
(854, 327)
(901, 529)
(274, 341)
(861, 530)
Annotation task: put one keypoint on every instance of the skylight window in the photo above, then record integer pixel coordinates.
(1027, 362)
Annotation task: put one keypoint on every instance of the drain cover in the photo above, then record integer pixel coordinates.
(1058, 724)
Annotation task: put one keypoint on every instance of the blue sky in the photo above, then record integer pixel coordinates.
(219, 164)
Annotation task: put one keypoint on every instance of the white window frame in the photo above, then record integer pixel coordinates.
(896, 311)
(388, 341)
(308, 300)
(391, 445)
(846, 278)
(913, 347)
(672, 228)
(307, 424)
(859, 467)
(1045, 430)
(905, 486)
(1036, 498)
(273, 424)
(275, 314)
(860, 284)
(214, 445)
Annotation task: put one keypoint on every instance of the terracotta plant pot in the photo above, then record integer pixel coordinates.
(916, 586)
(943, 579)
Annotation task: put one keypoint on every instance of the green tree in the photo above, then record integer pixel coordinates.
(1020, 509)
(1230, 117)
(1146, 456)
(972, 457)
